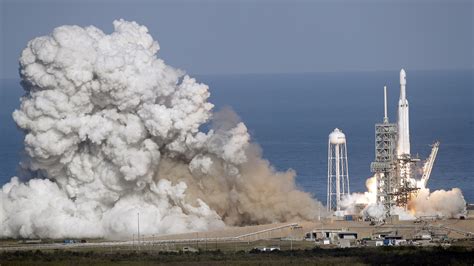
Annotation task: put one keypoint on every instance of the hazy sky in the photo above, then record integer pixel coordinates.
(218, 37)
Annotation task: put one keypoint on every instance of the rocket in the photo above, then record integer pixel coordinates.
(403, 143)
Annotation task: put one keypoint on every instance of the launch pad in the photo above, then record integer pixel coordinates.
(398, 178)
(394, 167)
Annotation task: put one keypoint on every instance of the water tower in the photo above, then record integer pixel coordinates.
(338, 174)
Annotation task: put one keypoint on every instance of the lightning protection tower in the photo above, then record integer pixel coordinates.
(338, 174)
(385, 160)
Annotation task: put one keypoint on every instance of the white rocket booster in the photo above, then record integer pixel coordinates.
(403, 145)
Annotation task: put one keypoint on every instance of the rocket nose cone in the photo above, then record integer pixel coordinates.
(403, 77)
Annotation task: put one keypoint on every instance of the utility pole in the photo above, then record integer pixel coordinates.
(291, 238)
(138, 229)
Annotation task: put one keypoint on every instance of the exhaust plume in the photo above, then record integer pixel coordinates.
(441, 203)
(112, 131)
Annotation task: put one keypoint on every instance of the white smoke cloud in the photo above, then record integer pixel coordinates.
(112, 131)
(350, 202)
(441, 203)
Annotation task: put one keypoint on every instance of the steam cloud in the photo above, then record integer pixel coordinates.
(111, 130)
(441, 203)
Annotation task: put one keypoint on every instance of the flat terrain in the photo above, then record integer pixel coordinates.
(236, 246)
(285, 235)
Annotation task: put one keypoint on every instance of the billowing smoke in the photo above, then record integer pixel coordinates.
(351, 202)
(112, 131)
(440, 203)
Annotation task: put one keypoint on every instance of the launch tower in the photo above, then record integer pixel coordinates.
(384, 166)
(394, 166)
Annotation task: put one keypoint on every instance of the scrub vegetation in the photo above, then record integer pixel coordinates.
(355, 256)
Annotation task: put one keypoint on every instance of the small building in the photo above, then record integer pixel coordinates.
(394, 241)
(373, 243)
(401, 242)
(344, 243)
(347, 235)
(325, 237)
(323, 242)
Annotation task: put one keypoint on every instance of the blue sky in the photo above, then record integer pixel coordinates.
(228, 37)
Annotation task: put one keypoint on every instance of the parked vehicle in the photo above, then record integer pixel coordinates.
(267, 249)
(190, 249)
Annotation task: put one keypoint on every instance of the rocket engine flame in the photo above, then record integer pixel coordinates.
(111, 130)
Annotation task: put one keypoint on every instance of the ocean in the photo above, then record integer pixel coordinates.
(291, 115)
